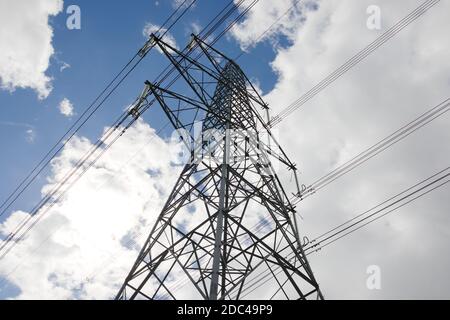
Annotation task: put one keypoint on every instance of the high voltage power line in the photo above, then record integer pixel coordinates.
(58, 228)
(92, 108)
(387, 142)
(100, 142)
(394, 138)
(224, 189)
(206, 32)
(350, 63)
(422, 188)
(360, 56)
(212, 26)
(398, 201)
(320, 183)
(86, 115)
(364, 156)
(375, 213)
(68, 136)
(369, 153)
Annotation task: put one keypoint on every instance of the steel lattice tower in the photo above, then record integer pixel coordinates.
(228, 221)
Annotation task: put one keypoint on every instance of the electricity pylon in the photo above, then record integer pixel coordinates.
(228, 221)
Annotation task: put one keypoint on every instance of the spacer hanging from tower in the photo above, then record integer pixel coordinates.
(228, 221)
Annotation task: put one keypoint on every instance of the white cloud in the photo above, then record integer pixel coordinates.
(30, 135)
(26, 44)
(153, 28)
(64, 66)
(396, 84)
(402, 80)
(86, 244)
(66, 107)
(182, 3)
(285, 16)
(195, 28)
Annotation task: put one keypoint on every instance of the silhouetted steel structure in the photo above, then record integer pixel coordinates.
(228, 218)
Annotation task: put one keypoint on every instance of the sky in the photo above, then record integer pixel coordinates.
(49, 74)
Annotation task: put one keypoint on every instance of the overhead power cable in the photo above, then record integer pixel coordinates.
(360, 56)
(398, 201)
(418, 123)
(14, 237)
(388, 206)
(385, 143)
(413, 126)
(260, 225)
(81, 122)
(58, 228)
(85, 116)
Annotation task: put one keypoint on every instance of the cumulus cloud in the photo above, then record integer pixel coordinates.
(403, 79)
(66, 107)
(270, 19)
(30, 135)
(85, 245)
(26, 42)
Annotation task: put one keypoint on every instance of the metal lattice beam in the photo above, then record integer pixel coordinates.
(204, 245)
